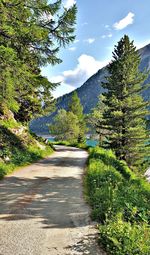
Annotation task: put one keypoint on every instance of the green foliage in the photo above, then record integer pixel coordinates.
(70, 126)
(31, 34)
(65, 126)
(120, 201)
(125, 110)
(76, 108)
(18, 151)
(72, 144)
(23, 158)
(122, 238)
(95, 119)
(9, 123)
(8, 66)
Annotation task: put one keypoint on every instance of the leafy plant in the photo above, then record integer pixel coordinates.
(120, 202)
(121, 238)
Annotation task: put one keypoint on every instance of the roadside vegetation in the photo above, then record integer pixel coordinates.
(120, 203)
(72, 144)
(117, 192)
(18, 148)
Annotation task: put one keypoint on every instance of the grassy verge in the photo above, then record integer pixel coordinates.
(17, 151)
(23, 158)
(120, 202)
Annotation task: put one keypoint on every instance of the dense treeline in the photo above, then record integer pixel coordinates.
(31, 33)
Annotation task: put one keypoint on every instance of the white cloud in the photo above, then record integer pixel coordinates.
(72, 48)
(71, 79)
(90, 40)
(69, 3)
(76, 41)
(107, 36)
(128, 20)
(62, 90)
(86, 67)
(56, 79)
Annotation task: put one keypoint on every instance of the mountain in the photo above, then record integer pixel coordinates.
(89, 93)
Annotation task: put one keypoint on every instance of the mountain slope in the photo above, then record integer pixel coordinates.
(89, 93)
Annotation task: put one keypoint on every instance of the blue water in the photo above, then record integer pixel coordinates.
(51, 139)
(89, 142)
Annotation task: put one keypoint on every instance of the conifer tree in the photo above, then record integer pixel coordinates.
(125, 109)
(75, 105)
(76, 108)
(95, 120)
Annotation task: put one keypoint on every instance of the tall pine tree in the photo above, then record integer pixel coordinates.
(125, 110)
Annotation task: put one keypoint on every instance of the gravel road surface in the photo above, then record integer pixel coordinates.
(42, 210)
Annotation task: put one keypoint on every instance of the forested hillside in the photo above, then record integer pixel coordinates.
(89, 93)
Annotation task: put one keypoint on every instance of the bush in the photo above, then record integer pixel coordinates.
(122, 238)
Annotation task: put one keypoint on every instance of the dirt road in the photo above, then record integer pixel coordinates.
(42, 210)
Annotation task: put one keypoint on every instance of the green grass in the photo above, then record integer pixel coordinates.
(23, 158)
(17, 151)
(120, 202)
(72, 144)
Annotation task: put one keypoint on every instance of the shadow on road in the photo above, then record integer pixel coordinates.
(56, 201)
(62, 162)
(61, 148)
(85, 246)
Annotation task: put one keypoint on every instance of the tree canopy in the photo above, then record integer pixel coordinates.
(31, 34)
(75, 105)
(76, 108)
(65, 126)
(70, 125)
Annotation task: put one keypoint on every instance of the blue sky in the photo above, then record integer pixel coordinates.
(100, 25)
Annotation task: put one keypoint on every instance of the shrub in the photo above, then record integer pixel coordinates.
(122, 238)
(113, 188)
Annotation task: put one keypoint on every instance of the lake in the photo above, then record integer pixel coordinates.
(89, 142)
